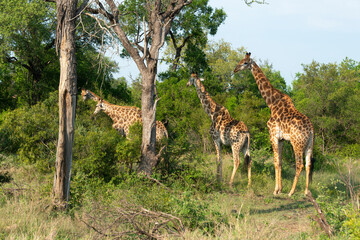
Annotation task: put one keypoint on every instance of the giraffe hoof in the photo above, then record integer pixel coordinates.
(290, 193)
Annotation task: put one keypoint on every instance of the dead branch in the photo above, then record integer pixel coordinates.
(157, 182)
(132, 220)
(321, 219)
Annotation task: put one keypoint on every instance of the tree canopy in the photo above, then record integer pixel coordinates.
(328, 93)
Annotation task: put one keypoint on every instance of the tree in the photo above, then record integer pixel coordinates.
(29, 70)
(329, 95)
(65, 45)
(154, 19)
(26, 49)
(191, 27)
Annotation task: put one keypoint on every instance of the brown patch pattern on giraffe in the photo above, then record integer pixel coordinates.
(285, 123)
(224, 130)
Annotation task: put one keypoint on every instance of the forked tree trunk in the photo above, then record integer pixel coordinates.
(65, 35)
(159, 14)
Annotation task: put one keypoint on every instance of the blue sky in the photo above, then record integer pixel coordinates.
(288, 33)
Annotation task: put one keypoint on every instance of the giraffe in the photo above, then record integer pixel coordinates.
(123, 116)
(87, 94)
(224, 130)
(285, 123)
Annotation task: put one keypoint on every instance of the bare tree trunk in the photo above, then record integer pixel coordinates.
(65, 34)
(148, 111)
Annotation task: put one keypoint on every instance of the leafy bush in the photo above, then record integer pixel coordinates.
(32, 133)
(197, 214)
(352, 224)
(340, 214)
(129, 152)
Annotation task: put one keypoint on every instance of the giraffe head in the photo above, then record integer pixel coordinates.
(83, 94)
(86, 94)
(99, 107)
(192, 79)
(245, 63)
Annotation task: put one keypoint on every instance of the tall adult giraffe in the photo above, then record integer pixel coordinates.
(123, 116)
(285, 123)
(224, 130)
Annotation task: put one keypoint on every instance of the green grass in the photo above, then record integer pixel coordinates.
(210, 212)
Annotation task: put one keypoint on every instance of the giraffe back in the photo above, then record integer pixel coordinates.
(228, 129)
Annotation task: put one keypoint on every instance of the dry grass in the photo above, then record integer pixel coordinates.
(24, 207)
(251, 213)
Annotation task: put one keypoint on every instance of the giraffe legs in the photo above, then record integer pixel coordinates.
(308, 155)
(218, 161)
(299, 167)
(277, 149)
(235, 150)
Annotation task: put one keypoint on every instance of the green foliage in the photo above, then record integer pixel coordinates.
(181, 107)
(32, 133)
(197, 215)
(97, 156)
(29, 66)
(352, 224)
(329, 94)
(128, 153)
(332, 200)
(340, 213)
(189, 35)
(27, 48)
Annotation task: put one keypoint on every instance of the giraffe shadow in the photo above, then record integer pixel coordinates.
(5, 177)
(283, 207)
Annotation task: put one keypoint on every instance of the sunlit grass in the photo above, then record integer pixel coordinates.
(228, 213)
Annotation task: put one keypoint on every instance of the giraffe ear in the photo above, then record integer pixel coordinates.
(201, 79)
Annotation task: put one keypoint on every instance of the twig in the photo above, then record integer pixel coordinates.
(92, 227)
(322, 220)
(157, 182)
(135, 216)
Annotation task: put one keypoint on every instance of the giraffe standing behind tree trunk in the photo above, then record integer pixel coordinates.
(224, 130)
(123, 116)
(285, 123)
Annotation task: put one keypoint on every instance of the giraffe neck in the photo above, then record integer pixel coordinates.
(112, 111)
(268, 92)
(208, 104)
(93, 96)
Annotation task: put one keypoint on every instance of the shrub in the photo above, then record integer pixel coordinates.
(197, 214)
(32, 133)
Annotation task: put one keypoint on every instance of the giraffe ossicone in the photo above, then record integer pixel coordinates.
(285, 123)
(224, 130)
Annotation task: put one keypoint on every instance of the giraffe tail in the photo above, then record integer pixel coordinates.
(311, 169)
(312, 160)
(247, 158)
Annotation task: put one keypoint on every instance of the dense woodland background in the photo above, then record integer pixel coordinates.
(104, 162)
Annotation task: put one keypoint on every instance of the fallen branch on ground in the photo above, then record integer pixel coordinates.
(130, 220)
(321, 220)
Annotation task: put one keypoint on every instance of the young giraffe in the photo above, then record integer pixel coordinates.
(224, 130)
(285, 123)
(123, 116)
